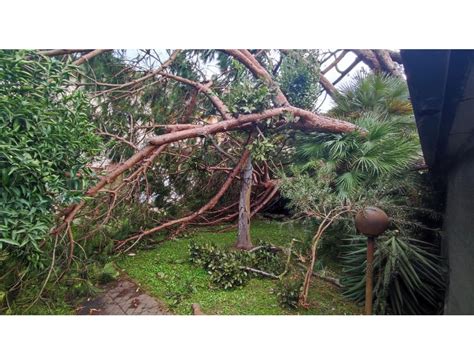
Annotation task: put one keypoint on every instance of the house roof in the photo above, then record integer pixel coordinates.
(441, 85)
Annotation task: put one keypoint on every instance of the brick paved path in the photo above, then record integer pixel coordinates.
(123, 297)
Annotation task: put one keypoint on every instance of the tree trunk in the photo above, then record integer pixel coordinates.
(243, 236)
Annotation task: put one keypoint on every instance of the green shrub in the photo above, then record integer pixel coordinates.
(81, 288)
(227, 268)
(227, 273)
(224, 267)
(46, 140)
(203, 254)
(288, 291)
(267, 258)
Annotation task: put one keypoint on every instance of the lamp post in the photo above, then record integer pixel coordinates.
(371, 221)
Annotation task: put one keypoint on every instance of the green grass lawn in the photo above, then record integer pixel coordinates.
(165, 272)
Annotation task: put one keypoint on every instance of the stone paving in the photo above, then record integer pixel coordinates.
(123, 297)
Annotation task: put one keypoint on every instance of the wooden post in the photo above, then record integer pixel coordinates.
(369, 275)
(196, 309)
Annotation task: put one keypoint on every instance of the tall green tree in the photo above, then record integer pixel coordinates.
(46, 141)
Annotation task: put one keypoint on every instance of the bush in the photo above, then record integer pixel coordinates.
(288, 291)
(224, 267)
(203, 254)
(227, 272)
(266, 258)
(46, 141)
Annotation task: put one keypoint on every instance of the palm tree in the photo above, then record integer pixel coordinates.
(361, 161)
(375, 169)
(373, 92)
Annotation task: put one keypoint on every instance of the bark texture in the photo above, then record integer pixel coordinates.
(243, 236)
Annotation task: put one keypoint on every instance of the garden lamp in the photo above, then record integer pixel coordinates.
(371, 221)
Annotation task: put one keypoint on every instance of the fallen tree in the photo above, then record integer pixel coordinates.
(176, 139)
(277, 116)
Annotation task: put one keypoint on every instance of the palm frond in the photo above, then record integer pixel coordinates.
(408, 279)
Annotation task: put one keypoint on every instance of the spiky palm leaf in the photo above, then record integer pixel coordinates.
(376, 92)
(408, 278)
(360, 159)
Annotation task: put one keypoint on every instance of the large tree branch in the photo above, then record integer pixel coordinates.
(112, 176)
(369, 58)
(387, 63)
(249, 61)
(396, 57)
(166, 64)
(206, 89)
(308, 122)
(328, 86)
(60, 52)
(378, 60)
(88, 56)
(184, 220)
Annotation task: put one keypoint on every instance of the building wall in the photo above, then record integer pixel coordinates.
(459, 236)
